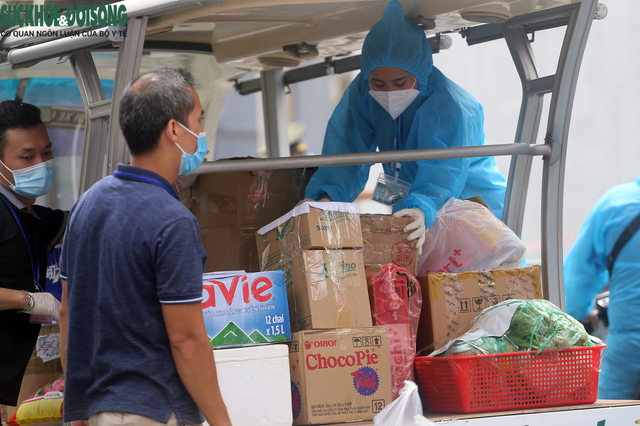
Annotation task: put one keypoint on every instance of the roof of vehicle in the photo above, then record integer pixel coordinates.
(260, 34)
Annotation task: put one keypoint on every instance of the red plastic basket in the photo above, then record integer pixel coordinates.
(482, 383)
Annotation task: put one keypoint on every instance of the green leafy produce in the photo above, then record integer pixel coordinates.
(539, 324)
(536, 325)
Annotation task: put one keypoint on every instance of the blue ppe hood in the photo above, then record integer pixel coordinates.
(397, 41)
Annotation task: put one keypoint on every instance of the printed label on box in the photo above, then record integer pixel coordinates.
(246, 309)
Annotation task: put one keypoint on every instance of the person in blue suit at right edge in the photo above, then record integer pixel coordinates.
(587, 271)
(401, 101)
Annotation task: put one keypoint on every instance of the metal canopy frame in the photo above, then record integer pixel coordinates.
(561, 86)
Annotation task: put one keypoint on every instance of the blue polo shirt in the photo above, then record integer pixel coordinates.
(129, 248)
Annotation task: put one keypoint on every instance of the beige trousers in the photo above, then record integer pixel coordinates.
(120, 418)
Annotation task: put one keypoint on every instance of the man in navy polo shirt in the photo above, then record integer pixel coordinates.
(132, 331)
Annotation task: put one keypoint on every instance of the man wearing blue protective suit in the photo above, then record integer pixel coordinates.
(586, 274)
(401, 101)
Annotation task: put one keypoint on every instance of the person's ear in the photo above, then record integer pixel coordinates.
(171, 130)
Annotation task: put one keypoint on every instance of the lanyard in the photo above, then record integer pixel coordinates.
(399, 137)
(125, 175)
(36, 278)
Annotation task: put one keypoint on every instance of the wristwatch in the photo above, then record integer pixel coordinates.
(30, 302)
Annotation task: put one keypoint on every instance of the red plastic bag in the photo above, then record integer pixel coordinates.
(396, 300)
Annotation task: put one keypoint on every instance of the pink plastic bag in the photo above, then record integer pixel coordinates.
(466, 236)
(396, 300)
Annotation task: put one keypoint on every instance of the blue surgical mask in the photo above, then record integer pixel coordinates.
(34, 181)
(190, 162)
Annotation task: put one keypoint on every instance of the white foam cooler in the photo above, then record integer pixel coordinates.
(256, 385)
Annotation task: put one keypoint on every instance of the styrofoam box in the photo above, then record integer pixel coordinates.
(255, 384)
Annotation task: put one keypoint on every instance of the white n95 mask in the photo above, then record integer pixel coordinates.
(395, 101)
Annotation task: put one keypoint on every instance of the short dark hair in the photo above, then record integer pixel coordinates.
(150, 101)
(16, 115)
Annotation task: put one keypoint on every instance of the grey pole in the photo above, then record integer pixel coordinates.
(528, 125)
(275, 113)
(127, 68)
(557, 135)
(255, 164)
(97, 110)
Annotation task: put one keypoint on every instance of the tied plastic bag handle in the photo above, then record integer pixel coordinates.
(406, 410)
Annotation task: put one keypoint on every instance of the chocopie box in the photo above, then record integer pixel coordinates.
(339, 375)
(243, 309)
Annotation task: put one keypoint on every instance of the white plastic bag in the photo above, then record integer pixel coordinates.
(406, 410)
(466, 236)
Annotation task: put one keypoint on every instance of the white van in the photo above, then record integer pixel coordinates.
(76, 75)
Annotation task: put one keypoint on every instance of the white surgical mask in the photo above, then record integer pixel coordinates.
(395, 101)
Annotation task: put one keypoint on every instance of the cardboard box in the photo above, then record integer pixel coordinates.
(339, 375)
(310, 226)
(385, 241)
(326, 289)
(452, 300)
(231, 207)
(245, 309)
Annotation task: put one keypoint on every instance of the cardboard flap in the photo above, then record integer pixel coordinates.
(305, 208)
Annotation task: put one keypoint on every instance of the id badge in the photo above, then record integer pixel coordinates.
(40, 319)
(390, 189)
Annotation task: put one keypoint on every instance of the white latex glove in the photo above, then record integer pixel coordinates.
(45, 304)
(323, 199)
(417, 226)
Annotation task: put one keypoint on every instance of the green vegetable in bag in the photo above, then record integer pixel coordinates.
(539, 324)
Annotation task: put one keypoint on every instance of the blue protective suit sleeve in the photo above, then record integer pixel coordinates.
(349, 131)
(585, 266)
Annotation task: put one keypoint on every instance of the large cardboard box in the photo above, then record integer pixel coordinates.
(309, 226)
(326, 289)
(231, 207)
(452, 300)
(339, 375)
(245, 309)
(385, 241)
